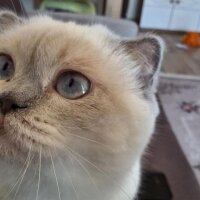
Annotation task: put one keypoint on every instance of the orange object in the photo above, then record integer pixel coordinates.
(191, 39)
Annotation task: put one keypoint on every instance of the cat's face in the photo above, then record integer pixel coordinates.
(75, 88)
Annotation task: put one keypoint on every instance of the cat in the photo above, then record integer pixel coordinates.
(78, 109)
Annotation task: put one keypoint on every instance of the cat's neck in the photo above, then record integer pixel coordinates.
(70, 183)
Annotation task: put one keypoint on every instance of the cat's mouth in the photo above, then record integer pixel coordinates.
(26, 132)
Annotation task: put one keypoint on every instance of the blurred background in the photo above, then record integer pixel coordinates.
(175, 17)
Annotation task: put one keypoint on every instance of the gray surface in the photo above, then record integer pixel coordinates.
(184, 120)
(121, 27)
(165, 155)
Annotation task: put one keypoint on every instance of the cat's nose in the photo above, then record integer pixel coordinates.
(8, 105)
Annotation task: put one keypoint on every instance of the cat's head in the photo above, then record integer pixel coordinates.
(69, 87)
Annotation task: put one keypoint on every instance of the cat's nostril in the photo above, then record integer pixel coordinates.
(8, 105)
(5, 67)
(37, 119)
(14, 107)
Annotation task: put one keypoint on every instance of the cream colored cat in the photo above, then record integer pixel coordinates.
(78, 109)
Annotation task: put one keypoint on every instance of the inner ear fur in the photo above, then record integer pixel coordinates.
(147, 53)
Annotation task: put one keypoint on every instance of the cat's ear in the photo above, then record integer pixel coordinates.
(147, 53)
(8, 19)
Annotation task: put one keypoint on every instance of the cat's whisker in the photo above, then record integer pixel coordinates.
(20, 173)
(90, 140)
(23, 175)
(70, 178)
(98, 169)
(54, 170)
(85, 169)
(39, 173)
(13, 5)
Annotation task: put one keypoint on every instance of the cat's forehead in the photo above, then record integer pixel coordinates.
(43, 36)
(46, 46)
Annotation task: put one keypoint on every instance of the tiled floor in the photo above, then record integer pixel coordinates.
(180, 61)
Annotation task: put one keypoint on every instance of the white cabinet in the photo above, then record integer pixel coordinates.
(184, 20)
(158, 3)
(151, 19)
(181, 15)
(188, 4)
(198, 25)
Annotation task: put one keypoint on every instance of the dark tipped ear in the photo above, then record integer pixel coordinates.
(147, 53)
(8, 19)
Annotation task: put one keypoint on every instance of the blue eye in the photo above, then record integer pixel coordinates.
(6, 67)
(72, 85)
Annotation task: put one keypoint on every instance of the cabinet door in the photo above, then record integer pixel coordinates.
(184, 19)
(198, 30)
(156, 14)
(188, 4)
(155, 17)
(158, 3)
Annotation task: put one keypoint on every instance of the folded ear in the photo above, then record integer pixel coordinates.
(7, 19)
(147, 53)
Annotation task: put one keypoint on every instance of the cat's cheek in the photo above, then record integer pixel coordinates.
(26, 136)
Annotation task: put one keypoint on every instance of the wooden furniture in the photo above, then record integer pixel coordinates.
(179, 15)
(100, 6)
(114, 8)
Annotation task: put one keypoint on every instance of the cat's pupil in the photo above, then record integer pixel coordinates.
(5, 67)
(71, 82)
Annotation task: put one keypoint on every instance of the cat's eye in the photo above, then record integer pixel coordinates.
(72, 85)
(6, 67)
